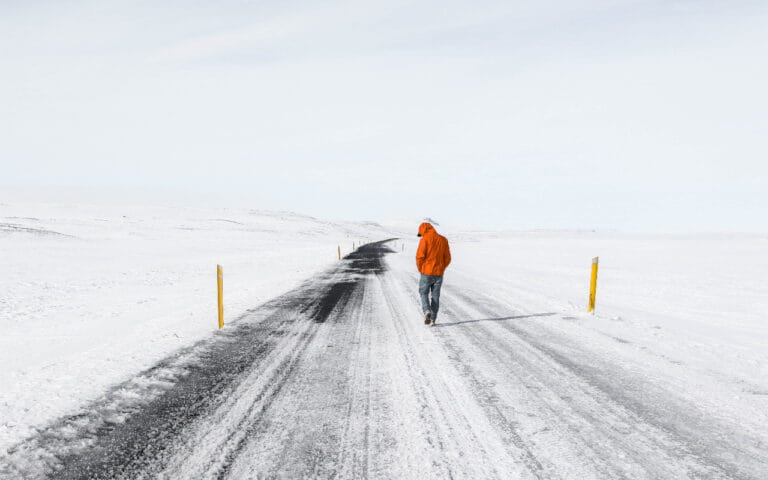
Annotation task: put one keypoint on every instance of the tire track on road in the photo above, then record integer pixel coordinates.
(614, 398)
(711, 447)
(452, 414)
(318, 426)
(549, 400)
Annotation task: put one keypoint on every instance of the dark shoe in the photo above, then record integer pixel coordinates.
(427, 318)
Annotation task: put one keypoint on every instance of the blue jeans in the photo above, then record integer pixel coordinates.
(430, 283)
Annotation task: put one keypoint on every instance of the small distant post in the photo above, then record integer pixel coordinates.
(593, 286)
(339, 250)
(353, 246)
(220, 284)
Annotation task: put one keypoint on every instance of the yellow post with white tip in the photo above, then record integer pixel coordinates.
(593, 286)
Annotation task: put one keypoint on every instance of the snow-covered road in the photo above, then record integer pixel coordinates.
(340, 378)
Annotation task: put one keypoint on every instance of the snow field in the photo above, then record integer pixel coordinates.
(667, 380)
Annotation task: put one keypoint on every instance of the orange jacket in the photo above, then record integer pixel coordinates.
(433, 254)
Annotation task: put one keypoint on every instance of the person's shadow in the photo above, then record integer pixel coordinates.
(499, 319)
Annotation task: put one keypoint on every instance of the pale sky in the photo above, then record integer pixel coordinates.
(610, 114)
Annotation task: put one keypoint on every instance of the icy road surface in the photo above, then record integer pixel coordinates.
(341, 379)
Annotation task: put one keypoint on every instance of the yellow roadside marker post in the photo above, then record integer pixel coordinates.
(593, 286)
(220, 284)
(339, 252)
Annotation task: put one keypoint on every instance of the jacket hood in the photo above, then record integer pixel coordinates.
(425, 228)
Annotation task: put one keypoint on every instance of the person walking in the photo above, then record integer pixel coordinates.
(432, 258)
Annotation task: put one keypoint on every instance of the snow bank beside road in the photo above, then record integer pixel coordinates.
(91, 295)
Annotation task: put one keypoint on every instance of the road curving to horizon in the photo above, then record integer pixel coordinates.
(340, 378)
